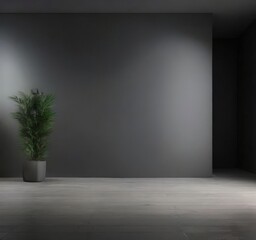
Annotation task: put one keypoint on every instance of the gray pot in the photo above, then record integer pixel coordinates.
(34, 171)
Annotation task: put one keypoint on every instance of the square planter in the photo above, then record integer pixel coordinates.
(34, 171)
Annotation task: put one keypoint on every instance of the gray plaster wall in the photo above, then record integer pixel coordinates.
(133, 92)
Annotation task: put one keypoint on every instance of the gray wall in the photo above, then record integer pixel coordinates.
(225, 77)
(133, 91)
(247, 99)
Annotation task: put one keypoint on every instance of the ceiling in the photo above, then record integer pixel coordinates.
(230, 17)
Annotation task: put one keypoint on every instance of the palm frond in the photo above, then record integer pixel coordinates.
(36, 117)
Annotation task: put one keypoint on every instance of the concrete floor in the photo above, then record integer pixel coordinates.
(218, 208)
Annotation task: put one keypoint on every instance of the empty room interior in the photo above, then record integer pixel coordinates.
(128, 120)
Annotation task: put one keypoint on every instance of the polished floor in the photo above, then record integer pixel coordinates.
(218, 208)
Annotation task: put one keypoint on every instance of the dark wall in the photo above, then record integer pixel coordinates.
(133, 91)
(247, 99)
(225, 74)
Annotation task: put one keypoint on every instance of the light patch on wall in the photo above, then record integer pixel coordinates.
(15, 76)
(185, 70)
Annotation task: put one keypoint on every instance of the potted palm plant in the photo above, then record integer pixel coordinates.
(35, 116)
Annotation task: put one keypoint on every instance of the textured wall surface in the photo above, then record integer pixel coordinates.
(225, 77)
(133, 92)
